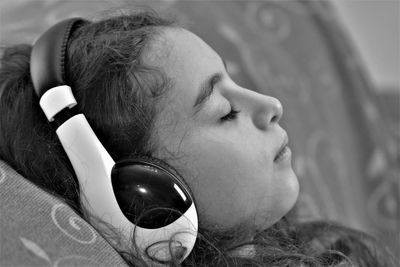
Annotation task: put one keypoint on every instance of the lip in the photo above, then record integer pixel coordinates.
(282, 148)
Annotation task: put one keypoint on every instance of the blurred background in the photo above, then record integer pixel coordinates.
(375, 28)
(333, 64)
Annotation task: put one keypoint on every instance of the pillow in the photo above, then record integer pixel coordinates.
(37, 229)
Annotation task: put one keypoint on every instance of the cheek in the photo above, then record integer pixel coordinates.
(217, 189)
(233, 183)
(228, 184)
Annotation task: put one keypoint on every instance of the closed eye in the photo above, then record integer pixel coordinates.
(230, 116)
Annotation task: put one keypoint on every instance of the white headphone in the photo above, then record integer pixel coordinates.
(121, 194)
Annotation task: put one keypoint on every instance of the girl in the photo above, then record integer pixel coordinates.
(149, 87)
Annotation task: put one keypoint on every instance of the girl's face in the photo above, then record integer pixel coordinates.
(223, 139)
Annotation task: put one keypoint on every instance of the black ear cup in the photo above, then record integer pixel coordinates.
(149, 193)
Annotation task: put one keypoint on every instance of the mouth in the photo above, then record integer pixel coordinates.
(282, 151)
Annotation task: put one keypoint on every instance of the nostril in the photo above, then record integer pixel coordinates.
(274, 119)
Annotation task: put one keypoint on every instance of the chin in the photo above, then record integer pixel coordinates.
(292, 193)
(286, 199)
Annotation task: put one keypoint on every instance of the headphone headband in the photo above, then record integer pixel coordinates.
(48, 56)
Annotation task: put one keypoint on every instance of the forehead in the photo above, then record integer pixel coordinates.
(178, 48)
(186, 60)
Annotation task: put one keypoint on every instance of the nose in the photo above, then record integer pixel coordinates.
(267, 111)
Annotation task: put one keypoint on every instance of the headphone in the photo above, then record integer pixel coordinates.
(143, 198)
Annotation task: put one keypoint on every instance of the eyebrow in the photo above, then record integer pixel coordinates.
(207, 88)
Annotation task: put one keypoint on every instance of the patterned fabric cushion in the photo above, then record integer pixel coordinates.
(39, 230)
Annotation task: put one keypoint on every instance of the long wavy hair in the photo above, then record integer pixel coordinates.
(120, 96)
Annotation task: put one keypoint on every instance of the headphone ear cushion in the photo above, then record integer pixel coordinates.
(145, 185)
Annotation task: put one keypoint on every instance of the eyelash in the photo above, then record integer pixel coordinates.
(231, 115)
